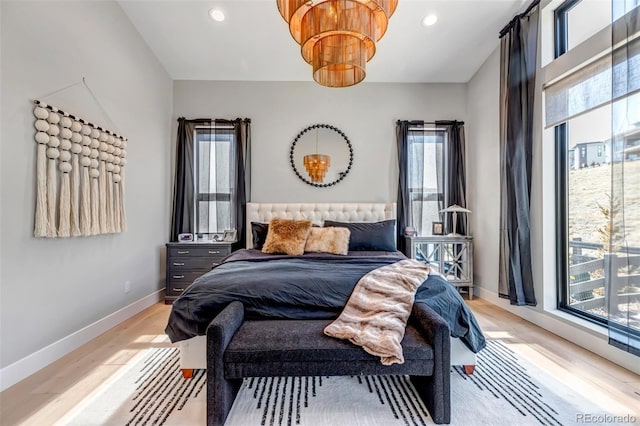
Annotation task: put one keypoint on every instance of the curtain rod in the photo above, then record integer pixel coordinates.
(507, 27)
(215, 120)
(74, 117)
(435, 123)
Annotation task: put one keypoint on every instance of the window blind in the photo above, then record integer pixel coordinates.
(612, 77)
(609, 78)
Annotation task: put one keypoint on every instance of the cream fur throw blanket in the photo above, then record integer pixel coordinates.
(376, 314)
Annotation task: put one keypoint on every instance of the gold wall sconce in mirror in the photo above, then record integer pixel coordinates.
(321, 155)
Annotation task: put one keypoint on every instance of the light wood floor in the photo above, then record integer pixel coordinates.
(49, 394)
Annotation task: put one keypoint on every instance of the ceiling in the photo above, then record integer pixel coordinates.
(253, 42)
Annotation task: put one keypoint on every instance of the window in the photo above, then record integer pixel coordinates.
(577, 20)
(426, 174)
(597, 121)
(582, 191)
(214, 180)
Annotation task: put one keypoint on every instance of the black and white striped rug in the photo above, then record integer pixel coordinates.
(504, 390)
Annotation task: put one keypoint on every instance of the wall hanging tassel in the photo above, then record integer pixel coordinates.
(76, 149)
(117, 225)
(110, 209)
(115, 160)
(123, 162)
(42, 138)
(94, 173)
(116, 202)
(85, 182)
(102, 181)
(110, 195)
(52, 177)
(64, 216)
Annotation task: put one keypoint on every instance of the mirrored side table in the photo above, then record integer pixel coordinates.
(452, 256)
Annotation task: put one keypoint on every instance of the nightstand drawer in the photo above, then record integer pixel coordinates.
(181, 278)
(176, 289)
(191, 251)
(176, 264)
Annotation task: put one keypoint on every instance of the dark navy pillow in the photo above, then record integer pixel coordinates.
(369, 235)
(259, 232)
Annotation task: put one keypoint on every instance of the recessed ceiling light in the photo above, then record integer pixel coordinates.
(430, 20)
(216, 15)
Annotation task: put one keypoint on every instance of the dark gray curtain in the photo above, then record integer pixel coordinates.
(243, 177)
(403, 204)
(455, 188)
(431, 173)
(622, 262)
(518, 55)
(234, 178)
(183, 190)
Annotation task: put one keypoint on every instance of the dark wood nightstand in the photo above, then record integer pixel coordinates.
(188, 261)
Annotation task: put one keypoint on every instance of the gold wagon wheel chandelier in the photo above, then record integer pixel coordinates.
(337, 37)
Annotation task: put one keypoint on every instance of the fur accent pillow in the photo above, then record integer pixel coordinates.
(332, 240)
(287, 237)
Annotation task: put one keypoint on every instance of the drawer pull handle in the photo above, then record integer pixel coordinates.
(183, 251)
(178, 277)
(178, 264)
(214, 251)
(178, 289)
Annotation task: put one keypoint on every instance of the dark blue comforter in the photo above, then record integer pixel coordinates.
(312, 286)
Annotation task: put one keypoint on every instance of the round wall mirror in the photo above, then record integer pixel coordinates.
(321, 155)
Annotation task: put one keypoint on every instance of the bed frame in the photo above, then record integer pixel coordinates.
(193, 352)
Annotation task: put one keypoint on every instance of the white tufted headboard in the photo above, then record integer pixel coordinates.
(318, 213)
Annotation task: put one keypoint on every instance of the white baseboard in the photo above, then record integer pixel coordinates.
(30, 364)
(592, 338)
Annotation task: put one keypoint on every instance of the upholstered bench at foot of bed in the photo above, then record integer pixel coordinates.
(237, 349)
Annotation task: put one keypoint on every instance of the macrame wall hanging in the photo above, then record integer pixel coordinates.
(79, 175)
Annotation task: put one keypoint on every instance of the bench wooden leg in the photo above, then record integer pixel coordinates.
(469, 369)
(187, 373)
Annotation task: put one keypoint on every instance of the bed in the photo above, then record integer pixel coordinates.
(199, 304)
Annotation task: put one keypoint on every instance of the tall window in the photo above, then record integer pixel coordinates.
(214, 211)
(426, 176)
(596, 122)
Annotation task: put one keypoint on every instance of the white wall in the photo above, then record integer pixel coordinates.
(483, 170)
(52, 288)
(366, 113)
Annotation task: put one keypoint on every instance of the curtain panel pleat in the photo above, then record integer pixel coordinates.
(455, 180)
(622, 263)
(243, 177)
(238, 178)
(403, 204)
(183, 189)
(518, 53)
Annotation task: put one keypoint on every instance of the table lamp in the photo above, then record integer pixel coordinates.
(455, 209)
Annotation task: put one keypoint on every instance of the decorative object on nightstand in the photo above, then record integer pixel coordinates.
(452, 256)
(186, 261)
(455, 209)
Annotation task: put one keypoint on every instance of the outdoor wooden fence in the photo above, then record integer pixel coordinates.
(618, 272)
